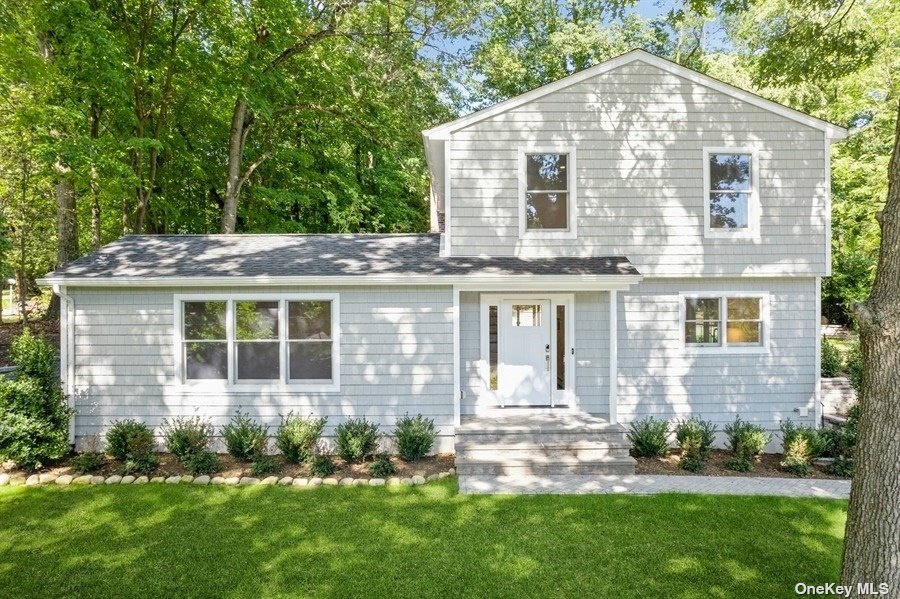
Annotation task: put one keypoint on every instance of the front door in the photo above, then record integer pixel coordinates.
(524, 353)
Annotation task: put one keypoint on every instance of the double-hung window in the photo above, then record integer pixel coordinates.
(259, 340)
(731, 195)
(547, 206)
(724, 321)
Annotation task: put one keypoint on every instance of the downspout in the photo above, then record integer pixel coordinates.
(67, 350)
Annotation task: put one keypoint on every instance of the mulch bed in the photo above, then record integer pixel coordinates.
(766, 466)
(9, 331)
(229, 466)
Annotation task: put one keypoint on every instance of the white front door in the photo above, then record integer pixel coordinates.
(524, 369)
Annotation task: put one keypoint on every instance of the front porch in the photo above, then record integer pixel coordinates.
(542, 443)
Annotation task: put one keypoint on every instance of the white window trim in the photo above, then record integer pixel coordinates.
(559, 397)
(724, 347)
(282, 385)
(753, 204)
(572, 199)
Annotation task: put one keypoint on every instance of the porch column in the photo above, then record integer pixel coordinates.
(613, 357)
(457, 387)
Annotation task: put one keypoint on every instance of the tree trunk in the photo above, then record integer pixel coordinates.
(240, 126)
(872, 544)
(67, 222)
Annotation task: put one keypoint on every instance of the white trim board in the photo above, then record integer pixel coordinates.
(444, 130)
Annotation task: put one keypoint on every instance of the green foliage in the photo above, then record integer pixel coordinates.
(415, 436)
(127, 438)
(381, 466)
(649, 437)
(203, 462)
(841, 466)
(831, 359)
(297, 437)
(185, 437)
(88, 462)
(263, 465)
(34, 415)
(801, 444)
(745, 441)
(142, 463)
(356, 439)
(245, 438)
(695, 437)
(322, 465)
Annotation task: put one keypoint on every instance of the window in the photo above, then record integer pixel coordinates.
(205, 346)
(493, 347)
(742, 317)
(547, 192)
(526, 315)
(560, 347)
(260, 340)
(731, 200)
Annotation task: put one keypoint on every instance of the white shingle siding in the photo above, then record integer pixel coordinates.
(640, 132)
(656, 377)
(396, 357)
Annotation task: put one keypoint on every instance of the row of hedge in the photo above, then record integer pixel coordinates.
(297, 438)
(746, 441)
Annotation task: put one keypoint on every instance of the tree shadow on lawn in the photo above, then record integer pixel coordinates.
(183, 541)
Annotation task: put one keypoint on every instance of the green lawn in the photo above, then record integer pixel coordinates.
(183, 541)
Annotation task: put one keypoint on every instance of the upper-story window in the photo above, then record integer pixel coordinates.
(731, 192)
(547, 190)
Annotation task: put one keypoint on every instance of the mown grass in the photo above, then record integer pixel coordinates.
(183, 541)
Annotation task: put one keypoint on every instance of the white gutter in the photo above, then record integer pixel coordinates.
(473, 281)
(67, 349)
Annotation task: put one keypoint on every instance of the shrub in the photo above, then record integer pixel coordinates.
(695, 437)
(746, 441)
(381, 466)
(143, 463)
(297, 437)
(356, 439)
(88, 462)
(855, 366)
(840, 443)
(796, 448)
(841, 466)
(127, 439)
(186, 436)
(649, 437)
(245, 438)
(815, 441)
(831, 359)
(415, 436)
(263, 465)
(322, 465)
(204, 462)
(34, 415)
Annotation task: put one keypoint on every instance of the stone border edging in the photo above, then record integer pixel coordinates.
(286, 481)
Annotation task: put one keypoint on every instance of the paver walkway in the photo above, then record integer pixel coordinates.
(645, 484)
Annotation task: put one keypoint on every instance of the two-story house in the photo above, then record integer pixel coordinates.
(635, 239)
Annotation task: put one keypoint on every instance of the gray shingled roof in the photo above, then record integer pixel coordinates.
(264, 256)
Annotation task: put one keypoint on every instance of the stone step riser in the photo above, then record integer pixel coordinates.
(508, 455)
(542, 437)
(544, 469)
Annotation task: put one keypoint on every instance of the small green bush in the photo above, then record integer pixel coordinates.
(143, 463)
(245, 438)
(263, 465)
(204, 462)
(855, 366)
(34, 415)
(415, 436)
(841, 466)
(297, 437)
(649, 437)
(356, 439)
(745, 441)
(831, 359)
(382, 466)
(695, 437)
(186, 436)
(129, 439)
(88, 462)
(322, 465)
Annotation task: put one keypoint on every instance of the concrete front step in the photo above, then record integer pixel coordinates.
(540, 436)
(583, 450)
(610, 465)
